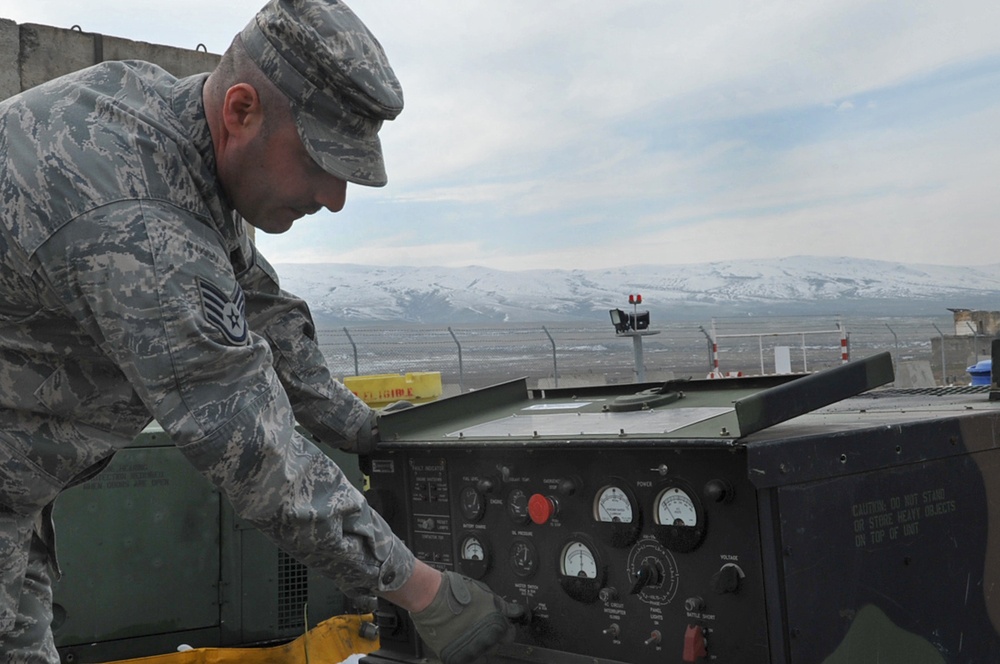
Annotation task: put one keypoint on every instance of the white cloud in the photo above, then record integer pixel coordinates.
(662, 131)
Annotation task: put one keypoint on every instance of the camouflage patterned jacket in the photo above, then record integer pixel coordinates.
(128, 290)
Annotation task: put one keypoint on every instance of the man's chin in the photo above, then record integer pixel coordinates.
(272, 226)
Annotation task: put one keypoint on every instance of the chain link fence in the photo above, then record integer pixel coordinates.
(565, 354)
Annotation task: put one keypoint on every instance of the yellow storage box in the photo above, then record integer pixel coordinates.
(382, 389)
(331, 641)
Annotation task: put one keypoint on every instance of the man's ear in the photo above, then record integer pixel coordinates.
(241, 110)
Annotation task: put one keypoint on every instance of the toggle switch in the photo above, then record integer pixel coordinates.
(695, 645)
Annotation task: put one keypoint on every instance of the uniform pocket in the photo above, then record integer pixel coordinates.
(15, 544)
(25, 487)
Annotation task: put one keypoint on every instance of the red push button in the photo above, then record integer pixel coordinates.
(694, 644)
(541, 508)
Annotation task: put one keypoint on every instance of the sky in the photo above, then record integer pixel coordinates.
(584, 134)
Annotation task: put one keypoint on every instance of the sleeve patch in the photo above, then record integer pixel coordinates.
(225, 312)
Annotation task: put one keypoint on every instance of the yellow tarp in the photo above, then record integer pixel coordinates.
(331, 641)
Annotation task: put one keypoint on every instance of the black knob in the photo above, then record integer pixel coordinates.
(648, 574)
(368, 631)
(569, 485)
(693, 604)
(727, 579)
(718, 491)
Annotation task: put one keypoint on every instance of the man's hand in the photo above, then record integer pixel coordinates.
(368, 437)
(466, 620)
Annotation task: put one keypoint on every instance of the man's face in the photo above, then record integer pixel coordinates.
(272, 181)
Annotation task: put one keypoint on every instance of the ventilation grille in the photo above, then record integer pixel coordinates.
(944, 391)
(293, 592)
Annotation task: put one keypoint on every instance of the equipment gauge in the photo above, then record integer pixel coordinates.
(517, 506)
(523, 558)
(674, 507)
(613, 506)
(473, 556)
(616, 513)
(578, 561)
(581, 570)
(472, 504)
(679, 518)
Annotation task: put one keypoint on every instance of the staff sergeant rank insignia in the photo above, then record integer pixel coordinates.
(228, 313)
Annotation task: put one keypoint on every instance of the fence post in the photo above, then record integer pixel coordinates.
(760, 345)
(711, 348)
(461, 372)
(355, 347)
(845, 353)
(895, 338)
(714, 339)
(555, 367)
(944, 367)
(975, 340)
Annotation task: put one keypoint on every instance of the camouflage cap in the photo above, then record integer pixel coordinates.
(337, 77)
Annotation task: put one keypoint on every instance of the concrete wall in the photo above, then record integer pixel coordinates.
(960, 353)
(31, 54)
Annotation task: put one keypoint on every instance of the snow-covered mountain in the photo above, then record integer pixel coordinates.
(340, 293)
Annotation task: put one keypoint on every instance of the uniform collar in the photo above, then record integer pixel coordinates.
(189, 107)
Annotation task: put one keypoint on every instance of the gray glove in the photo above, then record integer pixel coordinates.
(466, 620)
(368, 436)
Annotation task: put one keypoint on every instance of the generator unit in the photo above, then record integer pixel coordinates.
(153, 557)
(780, 520)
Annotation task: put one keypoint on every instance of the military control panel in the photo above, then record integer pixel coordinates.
(795, 519)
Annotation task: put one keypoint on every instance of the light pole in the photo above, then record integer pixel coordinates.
(635, 326)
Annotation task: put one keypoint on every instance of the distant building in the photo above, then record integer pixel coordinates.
(974, 334)
(970, 323)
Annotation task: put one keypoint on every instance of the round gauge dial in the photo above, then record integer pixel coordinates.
(472, 504)
(472, 549)
(578, 560)
(616, 513)
(523, 558)
(517, 505)
(674, 507)
(581, 569)
(613, 505)
(679, 518)
(473, 556)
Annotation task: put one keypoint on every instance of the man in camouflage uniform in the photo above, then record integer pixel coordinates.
(130, 291)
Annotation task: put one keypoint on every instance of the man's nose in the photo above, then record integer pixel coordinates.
(334, 195)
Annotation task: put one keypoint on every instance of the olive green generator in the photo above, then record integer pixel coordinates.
(154, 558)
